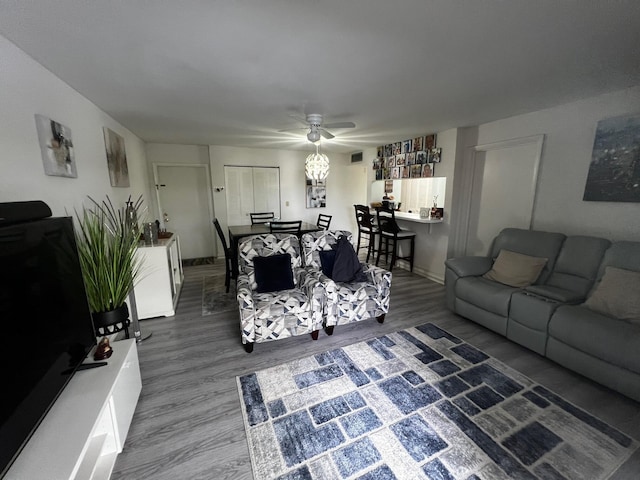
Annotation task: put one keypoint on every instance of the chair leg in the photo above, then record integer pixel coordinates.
(329, 330)
(248, 347)
(411, 259)
(379, 251)
(314, 334)
(359, 236)
(394, 254)
(227, 278)
(371, 246)
(380, 318)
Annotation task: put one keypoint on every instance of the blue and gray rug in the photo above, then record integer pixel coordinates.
(418, 403)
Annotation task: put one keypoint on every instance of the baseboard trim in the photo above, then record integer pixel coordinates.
(420, 271)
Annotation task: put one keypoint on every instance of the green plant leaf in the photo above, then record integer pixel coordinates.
(107, 246)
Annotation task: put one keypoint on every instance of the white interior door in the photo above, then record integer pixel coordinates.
(185, 202)
(502, 193)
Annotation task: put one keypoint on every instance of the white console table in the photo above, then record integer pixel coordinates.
(161, 278)
(82, 434)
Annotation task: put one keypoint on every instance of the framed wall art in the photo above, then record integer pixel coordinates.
(614, 171)
(116, 158)
(56, 146)
(316, 194)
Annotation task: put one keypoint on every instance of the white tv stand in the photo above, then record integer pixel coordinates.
(87, 426)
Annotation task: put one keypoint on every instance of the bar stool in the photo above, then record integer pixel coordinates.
(366, 227)
(391, 232)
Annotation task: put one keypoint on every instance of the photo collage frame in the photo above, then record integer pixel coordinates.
(413, 158)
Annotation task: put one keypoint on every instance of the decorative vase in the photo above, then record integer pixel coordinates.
(150, 233)
(112, 321)
(132, 218)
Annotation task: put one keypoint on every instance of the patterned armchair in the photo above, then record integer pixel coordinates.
(346, 302)
(277, 314)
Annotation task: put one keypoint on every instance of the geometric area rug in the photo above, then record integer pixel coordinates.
(215, 299)
(418, 403)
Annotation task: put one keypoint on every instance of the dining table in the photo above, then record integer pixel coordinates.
(238, 232)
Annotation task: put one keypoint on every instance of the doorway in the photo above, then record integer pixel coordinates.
(503, 181)
(186, 208)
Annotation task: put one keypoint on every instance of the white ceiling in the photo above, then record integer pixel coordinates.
(230, 72)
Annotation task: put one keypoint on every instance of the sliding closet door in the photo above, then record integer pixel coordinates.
(251, 189)
(238, 183)
(266, 190)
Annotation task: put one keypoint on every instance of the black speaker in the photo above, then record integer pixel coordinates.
(16, 212)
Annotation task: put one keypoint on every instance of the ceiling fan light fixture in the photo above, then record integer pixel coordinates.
(316, 166)
(313, 135)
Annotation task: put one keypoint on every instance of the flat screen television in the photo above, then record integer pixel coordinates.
(46, 326)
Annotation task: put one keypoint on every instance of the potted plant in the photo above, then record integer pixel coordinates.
(107, 240)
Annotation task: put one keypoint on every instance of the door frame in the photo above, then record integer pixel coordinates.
(468, 182)
(207, 172)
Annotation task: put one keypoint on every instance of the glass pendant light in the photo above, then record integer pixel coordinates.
(316, 166)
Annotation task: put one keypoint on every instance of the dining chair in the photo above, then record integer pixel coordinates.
(261, 217)
(323, 221)
(366, 228)
(391, 235)
(228, 257)
(294, 226)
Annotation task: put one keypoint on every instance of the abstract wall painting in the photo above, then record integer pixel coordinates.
(56, 145)
(614, 172)
(316, 193)
(116, 158)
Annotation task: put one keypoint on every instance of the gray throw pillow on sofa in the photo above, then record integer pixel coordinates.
(515, 269)
(617, 295)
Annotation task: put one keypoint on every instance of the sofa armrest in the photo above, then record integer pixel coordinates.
(554, 293)
(469, 266)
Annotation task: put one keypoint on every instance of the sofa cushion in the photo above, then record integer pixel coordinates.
(555, 293)
(577, 265)
(346, 266)
(617, 294)
(515, 269)
(273, 273)
(327, 259)
(609, 339)
(530, 242)
(621, 254)
(485, 294)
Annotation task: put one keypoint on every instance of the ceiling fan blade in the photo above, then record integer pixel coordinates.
(303, 121)
(326, 134)
(340, 125)
(294, 129)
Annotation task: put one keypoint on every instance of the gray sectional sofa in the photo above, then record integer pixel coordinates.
(557, 315)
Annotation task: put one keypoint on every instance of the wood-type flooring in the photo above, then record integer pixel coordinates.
(188, 423)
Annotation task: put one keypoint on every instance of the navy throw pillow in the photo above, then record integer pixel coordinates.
(347, 267)
(273, 273)
(327, 259)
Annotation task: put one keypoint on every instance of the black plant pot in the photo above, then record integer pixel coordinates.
(112, 321)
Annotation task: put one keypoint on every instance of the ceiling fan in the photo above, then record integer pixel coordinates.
(313, 122)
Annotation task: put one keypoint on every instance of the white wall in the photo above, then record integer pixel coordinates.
(569, 133)
(26, 89)
(346, 184)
